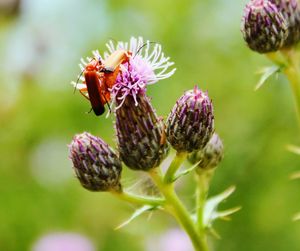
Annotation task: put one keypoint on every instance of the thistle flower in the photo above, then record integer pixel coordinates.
(63, 242)
(96, 165)
(140, 134)
(290, 10)
(147, 65)
(263, 26)
(210, 156)
(191, 122)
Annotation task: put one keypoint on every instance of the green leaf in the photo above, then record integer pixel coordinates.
(224, 214)
(293, 149)
(187, 171)
(210, 210)
(266, 73)
(137, 213)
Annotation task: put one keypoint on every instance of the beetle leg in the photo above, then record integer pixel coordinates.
(81, 92)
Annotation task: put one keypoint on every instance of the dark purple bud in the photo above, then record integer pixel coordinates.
(210, 156)
(290, 10)
(140, 133)
(264, 28)
(191, 122)
(96, 165)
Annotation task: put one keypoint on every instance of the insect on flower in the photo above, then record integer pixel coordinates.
(126, 69)
(100, 76)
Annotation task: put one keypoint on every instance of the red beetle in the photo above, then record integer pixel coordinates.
(100, 76)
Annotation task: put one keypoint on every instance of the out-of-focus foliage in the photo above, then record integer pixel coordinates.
(41, 43)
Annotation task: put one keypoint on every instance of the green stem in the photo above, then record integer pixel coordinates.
(175, 165)
(203, 180)
(138, 200)
(288, 60)
(177, 209)
(292, 72)
(277, 58)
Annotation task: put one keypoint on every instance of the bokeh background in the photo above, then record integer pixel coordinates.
(41, 42)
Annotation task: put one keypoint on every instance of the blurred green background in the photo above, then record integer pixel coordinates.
(41, 42)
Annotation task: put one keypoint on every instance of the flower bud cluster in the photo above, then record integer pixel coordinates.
(142, 137)
(270, 25)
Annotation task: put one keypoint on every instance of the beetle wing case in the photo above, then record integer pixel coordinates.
(94, 90)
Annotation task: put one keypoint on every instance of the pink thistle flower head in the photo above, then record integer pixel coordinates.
(147, 65)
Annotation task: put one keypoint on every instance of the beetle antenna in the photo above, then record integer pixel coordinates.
(90, 110)
(142, 46)
(78, 81)
(79, 78)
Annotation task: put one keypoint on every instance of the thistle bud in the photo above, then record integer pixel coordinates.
(263, 26)
(95, 164)
(290, 10)
(191, 121)
(210, 156)
(140, 133)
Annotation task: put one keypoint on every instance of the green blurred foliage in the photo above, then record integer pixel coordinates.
(40, 48)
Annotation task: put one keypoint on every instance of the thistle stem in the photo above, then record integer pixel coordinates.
(288, 59)
(292, 72)
(203, 180)
(138, 200)
(177, 209)
(175, 165)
